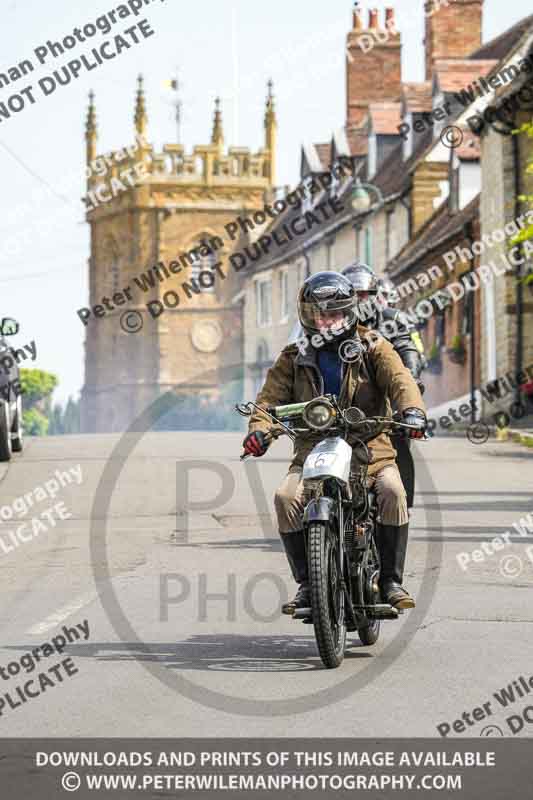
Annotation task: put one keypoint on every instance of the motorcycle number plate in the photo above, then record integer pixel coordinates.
(321, 460)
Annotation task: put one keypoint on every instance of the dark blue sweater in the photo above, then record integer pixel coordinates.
(330, 365)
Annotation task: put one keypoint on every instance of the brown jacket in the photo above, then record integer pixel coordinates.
(372, 385)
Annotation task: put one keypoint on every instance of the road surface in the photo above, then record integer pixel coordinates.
(160, 525)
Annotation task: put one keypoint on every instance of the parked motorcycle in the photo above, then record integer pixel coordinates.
(339, 520)
(11, 432)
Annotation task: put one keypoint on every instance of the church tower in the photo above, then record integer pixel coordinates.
(161, 288)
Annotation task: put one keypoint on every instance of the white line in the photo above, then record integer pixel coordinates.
(59, 616)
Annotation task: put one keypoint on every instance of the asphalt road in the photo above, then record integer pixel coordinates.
(231, 665)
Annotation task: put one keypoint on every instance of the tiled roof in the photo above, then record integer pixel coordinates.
(394, 175)
(357, 141)
(439, 228)
(499, 47)
(416, 97)
(385, 118)
(288, 247)
(453, 75)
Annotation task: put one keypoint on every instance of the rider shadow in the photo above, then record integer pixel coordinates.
(219, 653)
(261, 545)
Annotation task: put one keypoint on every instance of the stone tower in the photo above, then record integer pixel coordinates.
(159, 256)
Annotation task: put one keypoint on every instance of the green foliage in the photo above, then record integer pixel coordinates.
(40, 418)
(202, 411)
(56, 421)
(37, 386)
(434, 352)
(457, 344)
(34, 422)
(526, 234)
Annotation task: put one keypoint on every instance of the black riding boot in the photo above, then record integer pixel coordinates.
(392, 545)
(294, 544)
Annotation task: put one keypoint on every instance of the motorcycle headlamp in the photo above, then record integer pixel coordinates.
(319, 414)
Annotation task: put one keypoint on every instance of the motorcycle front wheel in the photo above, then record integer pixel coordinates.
(327, 595)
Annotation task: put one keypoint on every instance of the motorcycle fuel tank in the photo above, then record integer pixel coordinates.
(331, 458)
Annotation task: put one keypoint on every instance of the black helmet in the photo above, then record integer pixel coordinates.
(327, 292)
(362, 277)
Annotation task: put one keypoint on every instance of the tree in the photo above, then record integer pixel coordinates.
(56, 421)
(71, 417)
(37, 387)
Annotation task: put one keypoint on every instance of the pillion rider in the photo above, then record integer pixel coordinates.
(374, 295)
(373, 309)
(372, 382)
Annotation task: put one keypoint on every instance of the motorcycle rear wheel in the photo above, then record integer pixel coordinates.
(327, 596)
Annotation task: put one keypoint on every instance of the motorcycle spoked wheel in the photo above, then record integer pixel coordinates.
(369, 634)
(327, 595)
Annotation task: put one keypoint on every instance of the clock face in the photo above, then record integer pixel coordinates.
(206, 336)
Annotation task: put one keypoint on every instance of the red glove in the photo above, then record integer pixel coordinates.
(255, 444)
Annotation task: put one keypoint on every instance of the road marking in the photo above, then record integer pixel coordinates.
(59, 616)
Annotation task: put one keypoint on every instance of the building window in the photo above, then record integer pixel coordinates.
(205, 264)
(330, 254)
(262, 364)
(263, 302)
(368, 247)
(309, 197)
(440, 329)
(284, 295)
(358, 243)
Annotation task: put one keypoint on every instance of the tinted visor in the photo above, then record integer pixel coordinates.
(361, 280)
(337, 314)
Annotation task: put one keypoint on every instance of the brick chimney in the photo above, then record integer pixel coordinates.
(453, 30)
(373, 64)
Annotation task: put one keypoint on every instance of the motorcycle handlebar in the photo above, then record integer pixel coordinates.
(393, 421)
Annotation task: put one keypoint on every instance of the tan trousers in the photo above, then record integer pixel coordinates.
(388, 486)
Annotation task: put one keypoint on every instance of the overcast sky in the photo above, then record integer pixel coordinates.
(227, 48)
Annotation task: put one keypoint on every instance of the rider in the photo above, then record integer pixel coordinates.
(371, 379)
(374, 295)
(379, 316)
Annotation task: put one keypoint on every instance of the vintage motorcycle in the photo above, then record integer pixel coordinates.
(339, 519)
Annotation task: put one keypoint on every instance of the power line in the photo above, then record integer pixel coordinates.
(34, 174)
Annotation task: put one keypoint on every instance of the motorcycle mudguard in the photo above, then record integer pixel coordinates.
(321, 510)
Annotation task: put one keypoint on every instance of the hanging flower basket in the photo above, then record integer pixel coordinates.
(434, 362)
(457, 352)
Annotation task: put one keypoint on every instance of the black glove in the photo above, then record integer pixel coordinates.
(420, 385)
(417, 418)
(256, 444)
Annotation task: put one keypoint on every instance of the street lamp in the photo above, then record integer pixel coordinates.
(362, 198)
(363, 205)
